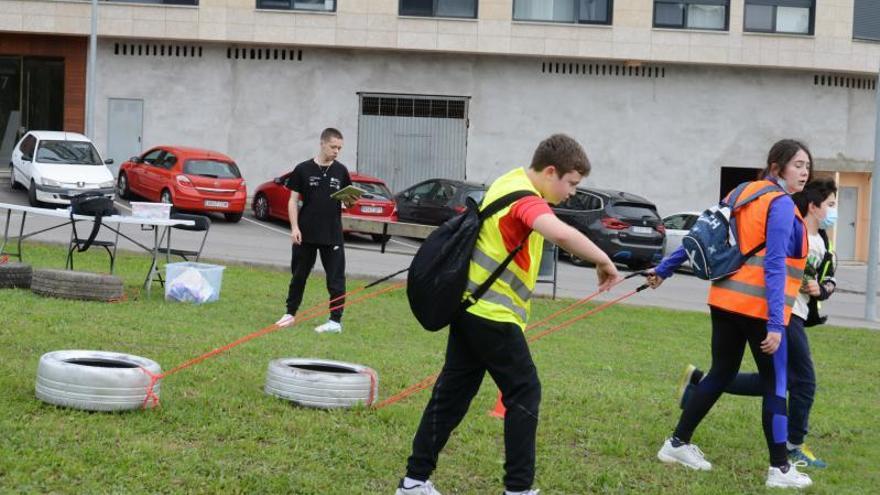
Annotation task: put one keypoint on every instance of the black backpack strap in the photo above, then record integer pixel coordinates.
(503, 202)
(96, 226)
(493, 208)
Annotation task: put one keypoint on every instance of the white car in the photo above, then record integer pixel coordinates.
(55, 165)
(677, 226)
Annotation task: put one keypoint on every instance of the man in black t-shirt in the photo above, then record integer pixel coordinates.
(317, 227)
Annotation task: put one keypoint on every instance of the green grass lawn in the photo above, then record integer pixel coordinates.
(608, 386)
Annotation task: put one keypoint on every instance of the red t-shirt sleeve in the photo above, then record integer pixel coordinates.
(527, 209)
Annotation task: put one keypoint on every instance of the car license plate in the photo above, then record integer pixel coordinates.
(371, 209)
(216, 204)
(642, 230)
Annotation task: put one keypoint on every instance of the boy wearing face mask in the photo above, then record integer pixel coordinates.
(817, 203)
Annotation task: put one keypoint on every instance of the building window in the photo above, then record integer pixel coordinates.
(573, 11)
(692, 14)
(313, 5)
(780, 16)
(866, 20)
(439, 8)
(160, 2)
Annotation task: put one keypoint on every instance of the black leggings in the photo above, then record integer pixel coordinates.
(302, 260)
(730, 333)
(477, 345)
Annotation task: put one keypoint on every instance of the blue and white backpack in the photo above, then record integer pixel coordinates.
(712, 244)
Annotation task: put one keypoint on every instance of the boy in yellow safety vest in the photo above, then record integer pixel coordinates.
(488, 336)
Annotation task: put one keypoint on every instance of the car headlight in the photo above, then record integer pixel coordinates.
(109, 183)
(50, 182)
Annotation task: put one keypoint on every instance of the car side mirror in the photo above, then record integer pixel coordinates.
(108, 161)
(135, 159)
(27, 158)
(278, 180)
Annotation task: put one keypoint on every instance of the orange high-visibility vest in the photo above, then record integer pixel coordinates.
(745, 292)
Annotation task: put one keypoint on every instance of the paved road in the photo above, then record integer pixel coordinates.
(254, 242)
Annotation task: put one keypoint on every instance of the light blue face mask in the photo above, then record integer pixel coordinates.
(781, 182)
(829, 220)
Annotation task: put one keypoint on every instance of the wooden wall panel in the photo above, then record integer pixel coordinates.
(73, 50)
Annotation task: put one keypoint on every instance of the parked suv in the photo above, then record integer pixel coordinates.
(625, 226)
(54, 166)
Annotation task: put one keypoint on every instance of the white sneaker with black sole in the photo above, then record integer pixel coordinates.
(686, 454)
(425, 489)
(792, 478)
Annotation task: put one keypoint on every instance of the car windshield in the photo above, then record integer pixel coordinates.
(634, 210)
(212, 168)
(68, 152)
(374, 190)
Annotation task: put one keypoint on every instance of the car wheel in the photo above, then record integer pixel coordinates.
(13, 185)
(122, 186)
(577, 261)
(261, 207)
(32, 195)
(233, 217)
(165, 197)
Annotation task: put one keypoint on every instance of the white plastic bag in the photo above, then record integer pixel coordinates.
(189, 286)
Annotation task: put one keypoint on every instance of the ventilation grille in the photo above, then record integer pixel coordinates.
(607, 70)
(244, 53)
(391, 106)
(849, 82)
(151, 50)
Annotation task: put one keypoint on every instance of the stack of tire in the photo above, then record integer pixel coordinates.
(67, 284)
(321, 383)
(15, 275)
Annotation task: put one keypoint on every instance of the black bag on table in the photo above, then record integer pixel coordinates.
(438, 274)
(93, 204)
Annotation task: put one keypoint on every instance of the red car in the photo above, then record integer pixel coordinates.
(191, 179)
(270, 200)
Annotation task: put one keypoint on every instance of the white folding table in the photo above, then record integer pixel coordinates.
(154, 224)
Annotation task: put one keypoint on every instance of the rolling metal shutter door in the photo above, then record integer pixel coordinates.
(866, 20)
(404, 139)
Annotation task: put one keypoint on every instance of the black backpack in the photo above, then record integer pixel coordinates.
(93, 204)
(438, 274)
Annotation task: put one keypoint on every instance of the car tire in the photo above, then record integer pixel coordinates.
(322, 384)
(13, 184)
(32, 195)
(261, 207)
(165, 197)
(67, 284)
(577, 261)
(233, 217)
(95, 380)
(122, 187)
(15, 276)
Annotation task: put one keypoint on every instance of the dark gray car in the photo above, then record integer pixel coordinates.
(435, 201)
(625, 226)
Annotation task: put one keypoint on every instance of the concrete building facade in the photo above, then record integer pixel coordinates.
(677, 114)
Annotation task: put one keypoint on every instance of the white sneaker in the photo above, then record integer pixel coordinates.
(285, 320)
(426, 489)
(792, 479)
(329, 327)
(533, 491)
(686, 454)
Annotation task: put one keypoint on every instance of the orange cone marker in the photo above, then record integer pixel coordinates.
(499, 409)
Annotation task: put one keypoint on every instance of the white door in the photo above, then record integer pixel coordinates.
(125, 125)
(846, 223)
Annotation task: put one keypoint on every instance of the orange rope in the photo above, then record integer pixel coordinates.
(312, 313)
(427, 382)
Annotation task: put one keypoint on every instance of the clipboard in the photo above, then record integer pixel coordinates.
(348, 194)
